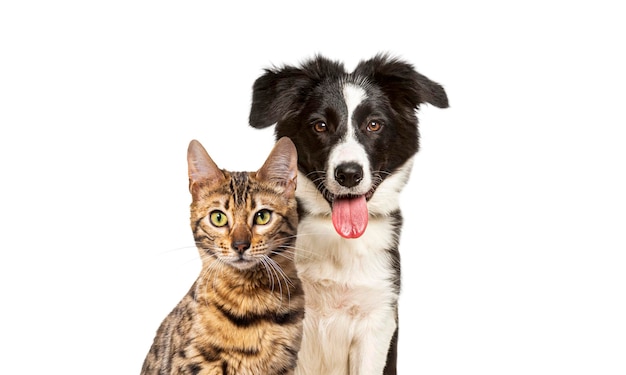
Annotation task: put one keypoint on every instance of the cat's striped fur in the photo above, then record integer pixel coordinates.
(244, 313)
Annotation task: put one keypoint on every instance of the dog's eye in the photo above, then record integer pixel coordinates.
(320, 127)
(374, 126)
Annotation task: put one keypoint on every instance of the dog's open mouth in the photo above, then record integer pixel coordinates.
(350, 216)
(349, 212)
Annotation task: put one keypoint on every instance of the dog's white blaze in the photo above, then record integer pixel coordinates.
(349, 149)
(353, 95)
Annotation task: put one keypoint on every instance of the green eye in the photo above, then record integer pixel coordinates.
(218, 218)
(262, 217)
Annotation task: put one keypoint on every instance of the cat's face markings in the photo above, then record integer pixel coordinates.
(243, 236)
(240, 218)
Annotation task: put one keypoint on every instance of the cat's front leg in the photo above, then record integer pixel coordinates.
(368, 354)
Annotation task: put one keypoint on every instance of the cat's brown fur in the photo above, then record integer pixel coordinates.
(243, 315)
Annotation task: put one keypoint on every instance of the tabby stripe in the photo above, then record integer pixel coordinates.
(239, 186)
(212, 352)
(194, 368)
(289, 224)
(209, 354)
(293, 352)
(253, 319)
(288, 368)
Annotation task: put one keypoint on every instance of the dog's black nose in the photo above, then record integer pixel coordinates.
(348, 174)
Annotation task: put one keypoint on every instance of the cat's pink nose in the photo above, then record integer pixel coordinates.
(240, 246)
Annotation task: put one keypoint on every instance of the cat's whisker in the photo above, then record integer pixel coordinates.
(186, 260)
(277, 271)
(286, 252)
(270, 263)
(321, 173)
(210, 274)
(176, 249)
(269, 274)
(281, 272)
(285, 278)
(301, 252)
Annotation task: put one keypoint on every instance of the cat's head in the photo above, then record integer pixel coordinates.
(244, 218)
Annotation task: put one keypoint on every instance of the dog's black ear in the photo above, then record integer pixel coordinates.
(281, 91)
(274, 93)
(402, 82)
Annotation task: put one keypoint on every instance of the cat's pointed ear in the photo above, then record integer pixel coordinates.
(202, 169)
(281, 166)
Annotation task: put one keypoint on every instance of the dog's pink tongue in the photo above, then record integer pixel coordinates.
(350, 216)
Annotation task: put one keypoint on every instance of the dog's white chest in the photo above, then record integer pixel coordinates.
(349, 292)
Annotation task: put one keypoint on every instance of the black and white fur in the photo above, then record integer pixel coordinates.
(356, 134)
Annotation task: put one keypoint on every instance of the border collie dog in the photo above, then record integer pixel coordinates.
(356, 135)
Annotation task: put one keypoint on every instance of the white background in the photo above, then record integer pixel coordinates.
(513, 250)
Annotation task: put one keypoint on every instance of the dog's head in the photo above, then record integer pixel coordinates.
(355, 133)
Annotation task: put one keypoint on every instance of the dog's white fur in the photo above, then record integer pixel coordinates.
(351, 285)
(349, 318)
(349, 150)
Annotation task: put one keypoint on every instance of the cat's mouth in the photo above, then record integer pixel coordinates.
(243, 263)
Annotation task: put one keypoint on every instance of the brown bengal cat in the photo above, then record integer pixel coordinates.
(243, 315)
